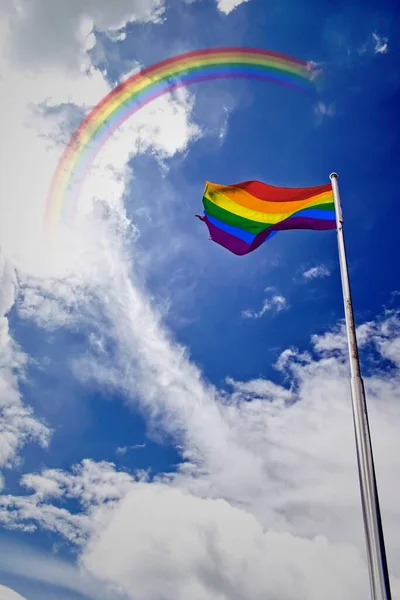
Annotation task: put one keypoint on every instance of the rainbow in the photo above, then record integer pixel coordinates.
(151, 83)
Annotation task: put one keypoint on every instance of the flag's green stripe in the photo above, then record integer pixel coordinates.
(329, 206)
(232, 219)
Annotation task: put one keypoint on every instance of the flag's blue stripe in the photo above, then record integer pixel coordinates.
(236, 231)
(316, 213)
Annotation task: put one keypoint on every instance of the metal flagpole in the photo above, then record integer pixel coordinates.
(378, 570)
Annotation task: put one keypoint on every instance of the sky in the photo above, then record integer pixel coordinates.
(176, 420)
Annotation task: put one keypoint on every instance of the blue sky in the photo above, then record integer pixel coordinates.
(170, 408)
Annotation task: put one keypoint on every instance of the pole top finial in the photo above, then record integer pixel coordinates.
(333, 175)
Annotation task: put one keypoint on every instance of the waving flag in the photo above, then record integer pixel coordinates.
(242, 216)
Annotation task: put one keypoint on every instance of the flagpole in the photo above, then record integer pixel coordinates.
(377, 563)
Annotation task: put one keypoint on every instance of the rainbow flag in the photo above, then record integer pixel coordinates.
(243, 216)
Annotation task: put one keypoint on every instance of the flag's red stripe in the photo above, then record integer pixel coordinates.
(263, 191)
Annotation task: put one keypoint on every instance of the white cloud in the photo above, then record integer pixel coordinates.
(8, 594)
(317, 272)
(18, 424)
(381, 44)
(377, 44)
(227, 6)
(268, 466)
(259, 388)
(273, 303)
(59, 33)
(26, 513)
(30, 155)
(165, 541)
(122, 450)
(336, 339)
(93, 483)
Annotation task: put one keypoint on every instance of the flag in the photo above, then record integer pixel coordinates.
(243, 216)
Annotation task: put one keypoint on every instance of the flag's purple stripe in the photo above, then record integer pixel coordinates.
(229, 241)
(303, 223)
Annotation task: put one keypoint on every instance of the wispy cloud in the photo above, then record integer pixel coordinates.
(376, 43)
(273, 303)
(39, 570)
(122, 450)
(381, 44)
(318, 272)
(323, 110)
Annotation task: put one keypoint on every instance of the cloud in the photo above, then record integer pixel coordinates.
(25, 513)
(60, 33)
(118, 35)
(381, 44)
(227, 6)
(8, 594)
(90, 483)
(93, 483)
(32, 102)
(122, 450)
(273, 303)
(18, 424)
(269, 473)
(377, 44)
(164, 541)
(323, 110)
(317, 272)
(336, 339)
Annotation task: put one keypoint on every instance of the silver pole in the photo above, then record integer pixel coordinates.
(378, 569)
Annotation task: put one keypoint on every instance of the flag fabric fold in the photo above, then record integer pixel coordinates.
(243, 216)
